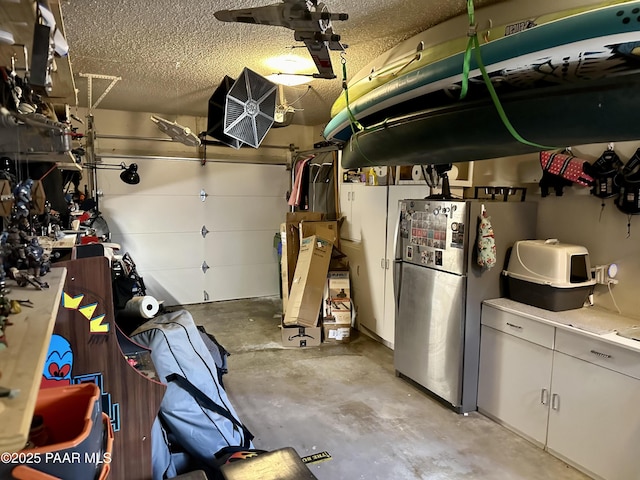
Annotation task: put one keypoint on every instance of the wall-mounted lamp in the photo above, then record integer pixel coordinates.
(129, 173)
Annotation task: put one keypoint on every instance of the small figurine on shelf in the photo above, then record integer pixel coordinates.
(22, 196)
(23, 278)
(35, 257)
(16, 241)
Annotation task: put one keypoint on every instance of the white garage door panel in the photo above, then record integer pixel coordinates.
(144, 214)
(166, 177)
(227, 179)
(175, 286)
(159, 222)
(248, 213)
(160, 252)
(240, 248)
(225, 283)
(109, 182)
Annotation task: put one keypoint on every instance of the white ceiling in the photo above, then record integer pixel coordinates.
(172, 54)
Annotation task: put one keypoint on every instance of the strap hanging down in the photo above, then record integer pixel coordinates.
(474, 45)
(209, 404)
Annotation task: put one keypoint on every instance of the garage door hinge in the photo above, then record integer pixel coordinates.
(204, 231)
(204, 267)
(203, 195)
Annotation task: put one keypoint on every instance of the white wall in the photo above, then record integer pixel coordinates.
(577, 217)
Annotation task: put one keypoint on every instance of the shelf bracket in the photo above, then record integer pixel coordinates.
(90, 77)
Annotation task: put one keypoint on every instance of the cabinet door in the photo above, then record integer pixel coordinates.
(361, 291)
(352, 207)
(345, 210)
(514, 383)
(371, 207)
(594, 421)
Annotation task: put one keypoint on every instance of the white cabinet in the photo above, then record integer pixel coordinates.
(363, 240)
(349, 208)
(594, 422)
(368, 240)
(569, 392)
(360, 287)
(515, 382)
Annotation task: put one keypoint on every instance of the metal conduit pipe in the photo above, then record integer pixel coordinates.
(167, 139)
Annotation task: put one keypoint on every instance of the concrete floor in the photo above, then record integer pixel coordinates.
(346, 400)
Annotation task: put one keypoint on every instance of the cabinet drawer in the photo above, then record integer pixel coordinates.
(610, 356)
(535, 332)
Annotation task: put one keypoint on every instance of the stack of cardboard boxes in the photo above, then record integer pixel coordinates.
(316, 295)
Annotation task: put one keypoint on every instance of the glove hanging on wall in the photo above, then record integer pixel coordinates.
(486, 242)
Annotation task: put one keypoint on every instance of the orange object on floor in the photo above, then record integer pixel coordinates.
(77, 436)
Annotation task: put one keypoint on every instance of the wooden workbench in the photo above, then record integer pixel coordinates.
(21, 363)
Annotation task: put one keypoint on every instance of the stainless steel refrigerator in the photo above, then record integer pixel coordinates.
(439, 289)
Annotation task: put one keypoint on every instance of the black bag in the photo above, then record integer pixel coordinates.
(628, 201)
(605, 171)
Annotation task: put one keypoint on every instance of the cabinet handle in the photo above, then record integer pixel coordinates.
(353, 196)
(601, 355)
(348, 196)
(514, 326)
(386, 264)
(544, 396)
(555, 401)
(382, 263)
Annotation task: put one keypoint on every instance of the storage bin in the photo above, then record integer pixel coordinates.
(549, 274)
(79, 437)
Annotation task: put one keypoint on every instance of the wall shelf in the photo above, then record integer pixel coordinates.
(19, 17)
(22, 362)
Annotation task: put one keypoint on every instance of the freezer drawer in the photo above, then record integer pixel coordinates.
(428, 346)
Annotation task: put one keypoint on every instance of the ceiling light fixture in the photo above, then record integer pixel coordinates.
(291, 70)
(289, 79)
(289, 63)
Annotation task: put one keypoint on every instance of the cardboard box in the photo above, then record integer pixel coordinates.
(339, 297)
(335, 332)
(326, 229)
(292, 240)
(284, 271)
(299, 336)
(307, 288)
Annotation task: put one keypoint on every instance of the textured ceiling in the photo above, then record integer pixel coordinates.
(172, 54)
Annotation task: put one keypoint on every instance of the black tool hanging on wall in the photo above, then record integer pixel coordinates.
(628, 201)
(604, 171)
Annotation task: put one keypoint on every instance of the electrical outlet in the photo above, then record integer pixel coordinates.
(600, 274)
(604, 274)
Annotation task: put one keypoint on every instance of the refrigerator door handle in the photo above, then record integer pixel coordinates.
(397, 262)
(397, 282)
(397, 255)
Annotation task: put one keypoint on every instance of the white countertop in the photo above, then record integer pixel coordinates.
(593, 322)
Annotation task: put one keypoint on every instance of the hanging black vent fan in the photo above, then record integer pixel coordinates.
(250, 108)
